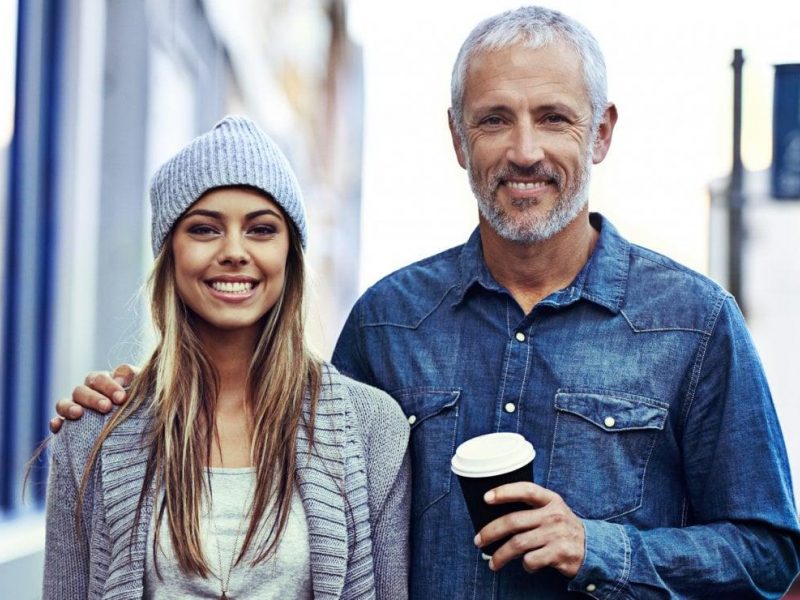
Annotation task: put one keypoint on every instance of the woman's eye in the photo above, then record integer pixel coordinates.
(202, 230)
(262, 230)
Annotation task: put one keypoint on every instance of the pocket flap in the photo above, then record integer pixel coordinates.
(420, 403)
(614, 411)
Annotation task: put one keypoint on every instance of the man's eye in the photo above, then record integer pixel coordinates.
(554, 118)
(492, 121)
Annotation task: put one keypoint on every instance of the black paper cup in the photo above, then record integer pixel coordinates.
(486, 462)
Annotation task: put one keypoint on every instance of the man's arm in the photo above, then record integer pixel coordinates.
(741, 536)
(99, 390)
(348, 354)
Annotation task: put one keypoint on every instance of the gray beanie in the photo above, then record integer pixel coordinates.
(234, 152)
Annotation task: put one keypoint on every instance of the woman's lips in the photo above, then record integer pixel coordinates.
(232, 290)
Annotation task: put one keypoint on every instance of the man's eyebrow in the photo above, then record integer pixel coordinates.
(543, 108)
(490, 108)
(556, 107)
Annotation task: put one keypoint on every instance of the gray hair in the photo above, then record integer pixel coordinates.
(533, 27)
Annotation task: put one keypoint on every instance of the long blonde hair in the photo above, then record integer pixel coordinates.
(179, 386)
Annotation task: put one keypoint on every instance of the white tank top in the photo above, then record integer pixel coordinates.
(286, 575)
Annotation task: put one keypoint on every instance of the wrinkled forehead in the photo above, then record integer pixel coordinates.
(525, 65)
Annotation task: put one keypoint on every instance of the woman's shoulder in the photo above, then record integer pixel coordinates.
(77, 438)
(368, 401)
(376, 412)
(73, 444)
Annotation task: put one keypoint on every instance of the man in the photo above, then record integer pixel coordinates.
(660, 468)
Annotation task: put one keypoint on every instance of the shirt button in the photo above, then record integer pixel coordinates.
(591, 587)
(609, 421)
(412, 419)
(520, 336)
(510, 408)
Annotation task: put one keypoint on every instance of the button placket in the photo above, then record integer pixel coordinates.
(514, 382)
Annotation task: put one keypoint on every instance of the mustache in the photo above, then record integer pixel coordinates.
(511, 170)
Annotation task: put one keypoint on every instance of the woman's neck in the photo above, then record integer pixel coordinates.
(230, 352)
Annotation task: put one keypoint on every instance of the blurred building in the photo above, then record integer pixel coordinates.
(94, 95)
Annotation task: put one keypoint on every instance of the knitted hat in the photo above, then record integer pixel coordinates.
(234, 152)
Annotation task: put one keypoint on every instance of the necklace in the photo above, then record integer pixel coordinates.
(225, 580)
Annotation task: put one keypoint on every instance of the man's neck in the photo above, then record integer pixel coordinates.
(532, 272)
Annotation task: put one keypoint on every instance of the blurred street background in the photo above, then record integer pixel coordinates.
(95, 94)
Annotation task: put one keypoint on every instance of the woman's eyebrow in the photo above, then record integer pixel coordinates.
(202, 212)
(266, 211)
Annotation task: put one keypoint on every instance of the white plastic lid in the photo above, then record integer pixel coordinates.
(492, 454)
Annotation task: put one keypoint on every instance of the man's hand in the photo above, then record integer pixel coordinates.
(548, 535)
(99, 390)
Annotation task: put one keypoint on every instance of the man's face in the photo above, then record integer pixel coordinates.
(528, 145)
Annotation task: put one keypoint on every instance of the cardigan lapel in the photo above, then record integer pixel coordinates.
(320, 478)
(123, 464)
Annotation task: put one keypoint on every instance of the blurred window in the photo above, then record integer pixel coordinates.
(8, 69)
(31, 170)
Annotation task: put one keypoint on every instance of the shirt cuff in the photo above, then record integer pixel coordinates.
(606, 562)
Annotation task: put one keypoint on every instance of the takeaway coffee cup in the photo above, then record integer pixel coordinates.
(486, 462)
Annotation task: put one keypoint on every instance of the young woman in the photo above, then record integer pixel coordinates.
(241, 467)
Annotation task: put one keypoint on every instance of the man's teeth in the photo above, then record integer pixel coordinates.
(519, 185)
(230, 287)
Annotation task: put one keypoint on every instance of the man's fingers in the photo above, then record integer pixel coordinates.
(124, 374)
(538, 559)
(510, 524)
(102, 383)
(551, 531)
(521, 491)
(67, 409)
(55, 424)
(520, 544)
(89, 398)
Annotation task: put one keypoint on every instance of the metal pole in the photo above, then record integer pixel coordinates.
(736, 188)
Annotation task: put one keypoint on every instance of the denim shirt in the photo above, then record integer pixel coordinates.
(644, 397)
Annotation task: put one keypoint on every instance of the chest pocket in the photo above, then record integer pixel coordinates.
(601, 446)
(433, 416)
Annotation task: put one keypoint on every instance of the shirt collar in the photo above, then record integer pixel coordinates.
(602, 280)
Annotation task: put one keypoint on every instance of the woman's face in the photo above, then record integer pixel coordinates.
(230, 250)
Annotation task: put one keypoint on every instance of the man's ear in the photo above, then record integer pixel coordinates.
(457, 146)
(602, 142)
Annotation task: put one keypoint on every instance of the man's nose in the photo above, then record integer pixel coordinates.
(525, 148)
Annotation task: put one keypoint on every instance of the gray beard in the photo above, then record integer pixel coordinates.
(529, 228)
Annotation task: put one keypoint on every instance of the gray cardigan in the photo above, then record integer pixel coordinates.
(355, 488)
